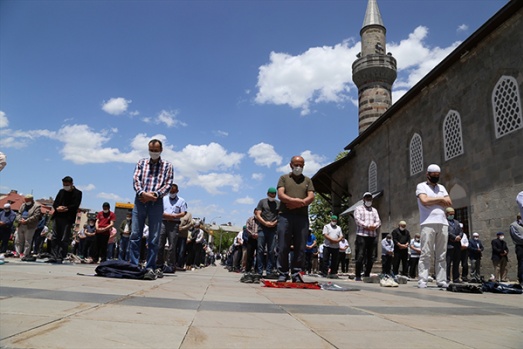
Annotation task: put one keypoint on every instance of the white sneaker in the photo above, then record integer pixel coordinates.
(422, 284)
(443, 284)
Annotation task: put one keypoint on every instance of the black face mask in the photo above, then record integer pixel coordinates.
(433, 180)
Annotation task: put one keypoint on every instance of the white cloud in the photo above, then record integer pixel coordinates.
(264, 155)
(116, 106)
(4, 121)
(321, 74)
(213, 182)
(20, 139)
(111, 197)
(463, 28)
(257, 176)
(245, 201)
(169, 119)
(88, 187)
(220, 133)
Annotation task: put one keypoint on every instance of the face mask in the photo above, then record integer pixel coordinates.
(67, 187)
(433, 180)
(402, 229)
(128, 218)
(450, 217)
(368, 203)
(271, 199)
(173, 195)
(417, 240)
(333, 224)
(297, 170)
(501, 237)
(154, 155)
(106, 211)
(388, 239)
(7, 210)
(476, 238)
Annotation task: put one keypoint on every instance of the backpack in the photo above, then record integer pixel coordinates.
(120, 270)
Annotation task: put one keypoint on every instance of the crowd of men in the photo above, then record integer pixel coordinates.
(276, 239)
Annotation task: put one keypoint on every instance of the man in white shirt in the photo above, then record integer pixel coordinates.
(333, 235)
(433, 198)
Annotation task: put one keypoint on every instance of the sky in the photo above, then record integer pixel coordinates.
(233, 89)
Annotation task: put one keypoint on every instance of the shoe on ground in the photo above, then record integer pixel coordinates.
(247, 278)
(443, 284)
(150, 275)
(296, 277)
(29, 259)
(283, 278)
(159, 273)
(256, 278)
(422, 284)
(357, 278)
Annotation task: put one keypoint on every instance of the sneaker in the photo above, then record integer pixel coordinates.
(159, 273)
(443, 284)
(256, 278)
(247, 278)
(296, 277)
(29, 259)
(283, 278)
(150, 275)
(422, 284)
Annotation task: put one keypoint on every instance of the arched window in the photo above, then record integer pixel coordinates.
(506, 106)
(416, 154)
(452, 135)
(373, 177)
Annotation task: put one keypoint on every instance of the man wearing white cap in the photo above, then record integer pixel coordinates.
(28, 217)
(7, 218)
(367, 223)
(433, 198)
(475, 249)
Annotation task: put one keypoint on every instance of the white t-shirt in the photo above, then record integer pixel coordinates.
(434, 214)
(333, 233)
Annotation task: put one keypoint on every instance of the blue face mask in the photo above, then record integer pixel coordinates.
(450, 217)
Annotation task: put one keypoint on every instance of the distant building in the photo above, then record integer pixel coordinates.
(465, 115)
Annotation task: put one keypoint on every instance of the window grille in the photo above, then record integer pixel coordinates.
(506, 106)
(452, 135)
(416, 154)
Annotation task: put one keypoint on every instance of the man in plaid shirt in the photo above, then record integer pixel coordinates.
(367, 223)
(152, 180)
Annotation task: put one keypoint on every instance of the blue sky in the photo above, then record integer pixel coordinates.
(234, 89)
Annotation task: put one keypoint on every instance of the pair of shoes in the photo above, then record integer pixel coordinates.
(247, 278)
(357, 278)
(256, 278)
(296, 277)
(150, 275)
(283, 277)
(443, 284)
(159, 273)
(422, 284)
(388, 281)
(29, 259)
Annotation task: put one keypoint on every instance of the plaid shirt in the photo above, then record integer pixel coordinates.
(153, 177)
(365, 217)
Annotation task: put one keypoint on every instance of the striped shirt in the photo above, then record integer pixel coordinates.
(365, 217)
(153, 177)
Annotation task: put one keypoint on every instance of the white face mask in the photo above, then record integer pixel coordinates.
(367, 203)
(154, 155)
(173, 195)
(298, 170)
(106, 211)
(333, 224)
(270, 198)
(501, 237)
(402, 229)
(67, 187)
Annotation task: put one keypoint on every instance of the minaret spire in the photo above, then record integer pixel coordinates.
(374, 71)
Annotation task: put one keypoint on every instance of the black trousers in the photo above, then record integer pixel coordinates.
(330, 259)
(364, 254)
(403, 257)
(61, 237)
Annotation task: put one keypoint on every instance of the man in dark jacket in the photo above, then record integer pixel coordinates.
(453, 246)
(7, 219)
(516, 232)
(475, 250)
(65, 207)
(500, 256)
(401, 240)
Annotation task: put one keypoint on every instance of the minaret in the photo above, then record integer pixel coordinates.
(374, 71)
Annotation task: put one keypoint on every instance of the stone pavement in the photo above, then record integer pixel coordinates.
(50, 306)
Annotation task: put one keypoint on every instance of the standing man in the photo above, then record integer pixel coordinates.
(333, 235)
(152, 180)
(125, 234)
(174, 208)
(7, 219)
(65, 206)
(311, 251)
(28, 217)
(186, 224)
(104, 224)
(401, 240)
(267, 215)
(516, 232)
(251, 242)
(387, 254)
(296, 193)
(432, 201)
(367, 222)
(455, 234)
(500, 256)
(475, 249)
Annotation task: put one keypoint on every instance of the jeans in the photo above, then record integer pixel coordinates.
(123, 253)
(181, 248)
(141, 211)
(292, 230)
(453, 260)
(364, 254)
(434, 239)
(110, 250)
(386, 262)
(266, 239)
(169, 233)
(475, 268)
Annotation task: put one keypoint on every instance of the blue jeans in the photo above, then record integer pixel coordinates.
(141, 211)
(292, 230)
(265, 239)
(181, 249)
(123, 254)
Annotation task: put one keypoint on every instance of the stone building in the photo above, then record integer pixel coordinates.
(465, 115)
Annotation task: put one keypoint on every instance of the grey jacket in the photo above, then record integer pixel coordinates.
(34, 215)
